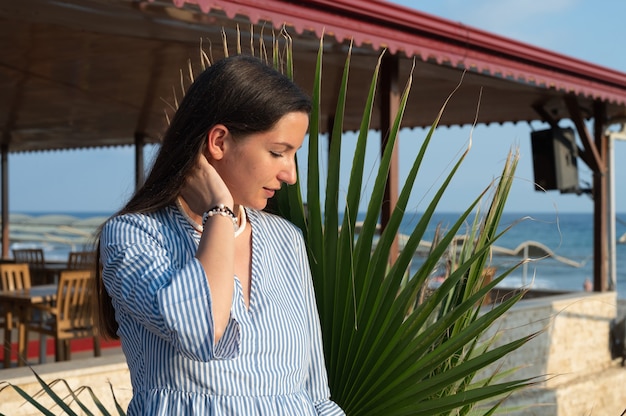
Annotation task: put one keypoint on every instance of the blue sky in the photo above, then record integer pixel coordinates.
(588, 30)
(101, 180)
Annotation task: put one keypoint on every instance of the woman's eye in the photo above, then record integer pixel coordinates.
(276, 154)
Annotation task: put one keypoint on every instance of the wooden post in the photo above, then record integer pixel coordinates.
(139, 165)
(390, 103)
(600, 210)
(595, 155)
(5, 200)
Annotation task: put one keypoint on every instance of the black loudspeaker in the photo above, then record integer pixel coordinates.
(554, 160)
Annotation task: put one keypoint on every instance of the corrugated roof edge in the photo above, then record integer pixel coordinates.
(401, 29)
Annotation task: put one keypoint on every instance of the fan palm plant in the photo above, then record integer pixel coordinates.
(388, 349)
(386, 352)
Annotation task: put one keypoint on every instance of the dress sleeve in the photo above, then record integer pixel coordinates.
(155, 284)
(317, 382)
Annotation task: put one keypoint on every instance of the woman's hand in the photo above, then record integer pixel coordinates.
(204, 188)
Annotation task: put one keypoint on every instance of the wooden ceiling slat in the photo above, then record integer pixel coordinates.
(90, 73)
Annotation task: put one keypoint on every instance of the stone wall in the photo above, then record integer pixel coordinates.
(99, 373)
(570, 354)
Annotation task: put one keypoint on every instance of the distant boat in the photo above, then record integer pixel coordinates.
(622, 239)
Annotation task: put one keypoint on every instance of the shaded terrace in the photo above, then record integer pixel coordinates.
(94, 73)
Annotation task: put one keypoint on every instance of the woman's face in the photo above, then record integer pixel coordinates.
(254, 167)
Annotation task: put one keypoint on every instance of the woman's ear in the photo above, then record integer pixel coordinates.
(216, 141)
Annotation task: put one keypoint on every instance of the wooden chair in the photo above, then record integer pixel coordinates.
(71, 317)
(34, 257)
(81, 260)
(28, 255)
(13, 276)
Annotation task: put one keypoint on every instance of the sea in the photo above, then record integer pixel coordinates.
(566, 237)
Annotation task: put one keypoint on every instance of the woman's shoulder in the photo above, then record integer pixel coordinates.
(145, 221)
(138, 217)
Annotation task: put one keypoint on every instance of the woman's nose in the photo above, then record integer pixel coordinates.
(289, 175)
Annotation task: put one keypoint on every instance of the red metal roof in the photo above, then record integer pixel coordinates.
(381, 24)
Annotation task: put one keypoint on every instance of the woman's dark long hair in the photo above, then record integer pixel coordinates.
(242, 93)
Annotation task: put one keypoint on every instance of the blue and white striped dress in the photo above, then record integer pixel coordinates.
(269, 360)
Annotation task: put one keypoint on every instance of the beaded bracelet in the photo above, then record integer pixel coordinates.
(222, 210)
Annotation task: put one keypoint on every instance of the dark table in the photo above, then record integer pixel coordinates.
(19, 303)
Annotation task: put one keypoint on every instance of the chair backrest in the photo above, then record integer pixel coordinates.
(81, 260)
(74, 300)
(14, 276)
(32, 256)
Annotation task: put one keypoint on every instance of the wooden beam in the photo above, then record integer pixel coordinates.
(390, 103)
(547, 117)
(591, 154)
(554, 123)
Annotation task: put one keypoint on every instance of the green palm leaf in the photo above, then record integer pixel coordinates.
(387, 351)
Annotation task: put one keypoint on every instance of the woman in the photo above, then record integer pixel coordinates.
(212, 297)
